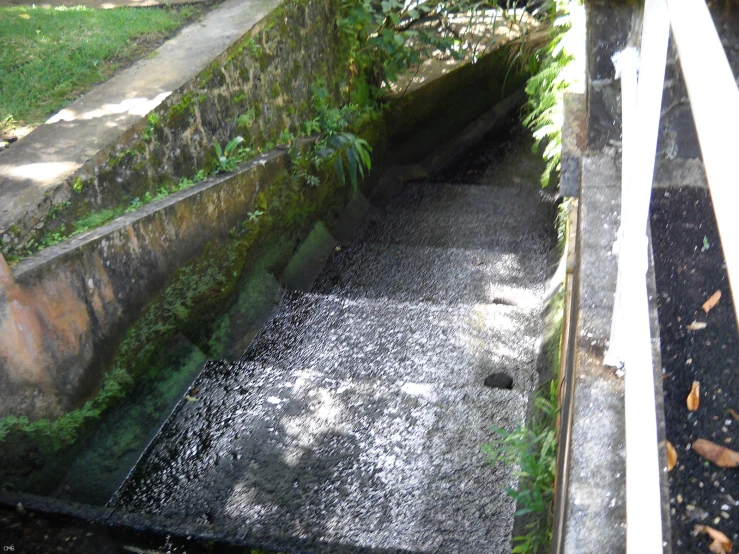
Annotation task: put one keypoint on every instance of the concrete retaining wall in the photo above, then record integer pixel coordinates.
(266, 76)
(61, 310)
(64, 311)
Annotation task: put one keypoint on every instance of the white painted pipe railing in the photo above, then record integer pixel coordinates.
(715, 103)
(714, 100)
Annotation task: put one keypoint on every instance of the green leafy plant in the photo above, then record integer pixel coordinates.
(389, 36)
(547, 60)
(225, 161)
(255, 216)
(7, 123)
(152, 121)
(532, 448)
(286, 138)
(350, 154)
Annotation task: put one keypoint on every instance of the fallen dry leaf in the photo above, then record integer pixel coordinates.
(721, 543)
(733, 414)
(671, 456)
(712, 301)
(694, 398)
(715, 453)
(696, 326)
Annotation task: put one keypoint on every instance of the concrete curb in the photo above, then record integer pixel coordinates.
(590, 511)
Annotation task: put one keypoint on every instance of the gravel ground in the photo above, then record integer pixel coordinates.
(690, 268)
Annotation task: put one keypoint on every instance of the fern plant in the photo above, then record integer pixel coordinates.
(549, 62)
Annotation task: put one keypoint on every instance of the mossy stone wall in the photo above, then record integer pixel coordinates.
(266, 77)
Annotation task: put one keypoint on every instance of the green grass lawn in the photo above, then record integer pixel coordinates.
(49, 56)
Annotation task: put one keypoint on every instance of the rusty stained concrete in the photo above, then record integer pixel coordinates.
(62, 312)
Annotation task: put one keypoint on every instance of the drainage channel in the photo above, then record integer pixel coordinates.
(354, 420)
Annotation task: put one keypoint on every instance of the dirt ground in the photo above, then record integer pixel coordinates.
(690, 267)
(30, 533)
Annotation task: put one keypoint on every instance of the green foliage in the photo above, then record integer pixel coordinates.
(225, 160)
(53, 435)
(350, 154)
(255, 215)
(7, 123)
(247, 119)
(532, 449)
(148, 133)
(254, 49)
(544, 110)
(94, 220)
(286, 138)
(390, 36)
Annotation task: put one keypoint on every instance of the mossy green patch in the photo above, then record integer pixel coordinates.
(181, 108)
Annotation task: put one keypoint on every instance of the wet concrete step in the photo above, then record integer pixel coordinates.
(375, 340)
(464, 216)
(512, 232)
(304, 462)
(468, 200)
(446, 276)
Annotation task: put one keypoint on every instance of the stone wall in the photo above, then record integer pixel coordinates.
(266, 76)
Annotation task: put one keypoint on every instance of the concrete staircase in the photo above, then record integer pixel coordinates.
(354, 421)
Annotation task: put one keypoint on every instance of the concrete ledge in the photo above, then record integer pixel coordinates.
(574, 143)
(590, 512)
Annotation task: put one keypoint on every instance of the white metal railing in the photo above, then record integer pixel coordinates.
(714, 100)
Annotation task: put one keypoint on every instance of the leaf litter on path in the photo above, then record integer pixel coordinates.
(721, 543)
(716, 454)
(694, 398)
(671, 456)
(709, 304)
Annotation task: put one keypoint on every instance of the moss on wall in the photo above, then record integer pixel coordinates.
(176, 140)
(38, 454)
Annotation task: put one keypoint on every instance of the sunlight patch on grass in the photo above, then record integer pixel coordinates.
(52, 55)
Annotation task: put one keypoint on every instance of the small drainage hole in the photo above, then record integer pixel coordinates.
(499, 381)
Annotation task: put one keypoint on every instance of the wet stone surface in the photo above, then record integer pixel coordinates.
(354, 421)
(380, 340)
(439, 275)
(283, 455)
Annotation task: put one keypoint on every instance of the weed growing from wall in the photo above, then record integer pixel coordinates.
(532, 449)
